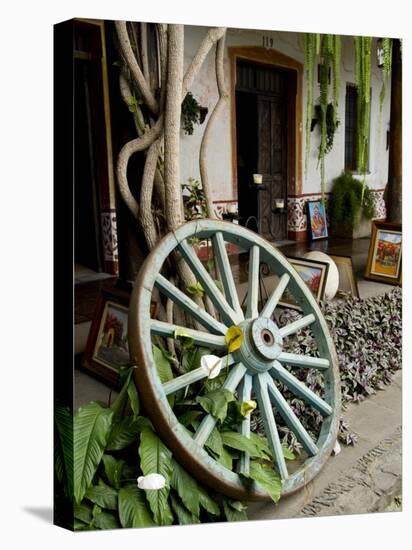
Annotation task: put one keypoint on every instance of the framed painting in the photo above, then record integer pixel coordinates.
(385, 253)
(313, 273)
(316, 220)
(107, 348)
(347, 279)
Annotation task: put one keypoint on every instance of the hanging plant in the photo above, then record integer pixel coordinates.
(328, 47)
(363, 48)
(311, 50)
(192, 113)
(332, 124)
(386, 68)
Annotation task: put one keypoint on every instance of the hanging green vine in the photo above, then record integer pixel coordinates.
(386, 68)
(310, 44)
(336, 59)
(328, 48)
(363, 48)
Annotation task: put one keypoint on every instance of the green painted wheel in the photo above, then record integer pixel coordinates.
(259, 369)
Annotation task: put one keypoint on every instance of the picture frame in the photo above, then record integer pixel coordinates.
(385, 253)
(314, 273)
(316, 220)
(347, 278)
(107, 349)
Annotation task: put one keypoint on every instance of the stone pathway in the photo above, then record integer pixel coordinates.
(360, 479)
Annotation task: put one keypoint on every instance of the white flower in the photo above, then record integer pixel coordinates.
(211, 365)
(336, 448)
(151, 481)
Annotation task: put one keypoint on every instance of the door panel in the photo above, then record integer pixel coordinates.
(272, 156)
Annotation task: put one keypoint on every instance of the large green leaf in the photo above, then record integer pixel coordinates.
(267, 478)
(133, 398)
(83, 512)
(191, 358)
(233, 514)
(103, 519)
(119, 405)
(261, 443)
(186, 487)
(191, 418)
(92, 426)
(214, 442)
(164, 370)
(216, 403)
(63, 448)
(226, 459)
(106, 520)
(113, 469)
(263, 446)
(103, 495)
(123, 433)
(155, 457)
(133, 508)
(207, 502)
(183, 516)
(236, 440)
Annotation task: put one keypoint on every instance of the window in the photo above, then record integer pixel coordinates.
(351, 114)
(350, 127)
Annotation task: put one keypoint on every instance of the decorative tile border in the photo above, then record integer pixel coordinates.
(220, 207)
(379, 204)
(297, 209)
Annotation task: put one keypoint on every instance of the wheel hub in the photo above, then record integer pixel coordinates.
(262, 343)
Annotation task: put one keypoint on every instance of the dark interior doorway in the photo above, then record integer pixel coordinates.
(263, 114)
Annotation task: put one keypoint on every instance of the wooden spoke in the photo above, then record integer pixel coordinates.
(184, 380)
(189, 305)
(209, 422)
(291, 328)
(229, 316)
(265, 409)
(298, 388)
(253, 283)
(289, 417)
(245, 391)
(226, 274)
(200, 338)
(276, 295)
(303, 361)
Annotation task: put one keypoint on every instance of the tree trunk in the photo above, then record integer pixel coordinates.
(223, 97)
(394, 191)
(173, 190)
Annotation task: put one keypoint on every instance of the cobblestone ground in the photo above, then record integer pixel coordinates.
(373, 484)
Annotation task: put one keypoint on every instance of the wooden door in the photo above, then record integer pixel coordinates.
(272, 164)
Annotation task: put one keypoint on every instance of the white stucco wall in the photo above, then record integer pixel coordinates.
(220, 155)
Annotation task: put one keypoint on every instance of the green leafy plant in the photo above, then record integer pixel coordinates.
(367, 334)
(363, 48)
(350, 198)
(115, 445)
(332, 124)
(328, 48)
(194, 200)
(192, 113)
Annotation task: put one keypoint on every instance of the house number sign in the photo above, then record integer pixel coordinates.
(267, 41)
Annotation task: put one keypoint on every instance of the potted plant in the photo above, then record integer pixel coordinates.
(351, 208)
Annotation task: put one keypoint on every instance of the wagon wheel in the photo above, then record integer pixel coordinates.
(256, 368)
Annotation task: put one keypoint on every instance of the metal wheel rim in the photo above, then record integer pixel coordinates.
(189, 453)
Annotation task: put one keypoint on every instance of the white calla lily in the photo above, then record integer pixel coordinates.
(212, 365)
(153, 482)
